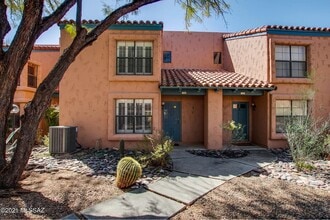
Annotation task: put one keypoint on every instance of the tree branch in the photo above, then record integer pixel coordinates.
(78, 16)
(114, 16)
(4, 24)
(53, 18)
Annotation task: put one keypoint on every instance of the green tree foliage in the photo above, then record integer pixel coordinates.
(197, 10)
(16, 8)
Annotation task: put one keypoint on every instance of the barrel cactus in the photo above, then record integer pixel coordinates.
(128, 171)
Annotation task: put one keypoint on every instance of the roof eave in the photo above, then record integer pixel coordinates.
(219, 87)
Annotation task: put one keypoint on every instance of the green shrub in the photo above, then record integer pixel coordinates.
(161, 147)
(307, 138)
(160, 154)
(236, 129)
(301, 165)
(45, 140)
(52, 115)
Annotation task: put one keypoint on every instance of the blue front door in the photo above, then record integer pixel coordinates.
(172, 120)
(241, 116)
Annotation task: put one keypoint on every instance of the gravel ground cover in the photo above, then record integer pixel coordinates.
(54, 195)
(251, 197)
(54, 187)
(278, 191)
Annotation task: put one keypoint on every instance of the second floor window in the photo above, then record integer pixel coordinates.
(290, 61)
(32, 76)
(134, 58)
(217, 57)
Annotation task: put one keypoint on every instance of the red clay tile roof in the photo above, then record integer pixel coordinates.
(42, 47)
(117, 22)
(274, 27)
(209, 78)
(46, 47)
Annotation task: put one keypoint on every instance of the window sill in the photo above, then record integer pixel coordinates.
(26, 88)
(134, 78)
(126, 137)
(292, 80)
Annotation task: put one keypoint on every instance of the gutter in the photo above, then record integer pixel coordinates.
(218, 88)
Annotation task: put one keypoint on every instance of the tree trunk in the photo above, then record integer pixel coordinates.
(11, 65)
(11, 174)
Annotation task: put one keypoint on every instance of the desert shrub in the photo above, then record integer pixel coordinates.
(45, 140)
(307, 138)
(161, 147)
(305, 166)
(52, 115)
(237, 130)
(160, 153)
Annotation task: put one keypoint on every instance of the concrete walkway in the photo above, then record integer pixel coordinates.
(192, 177)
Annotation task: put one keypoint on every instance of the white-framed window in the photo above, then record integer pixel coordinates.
(290, 61)
(134, 116)
(286, 110)
(32, 75)
(134, 57)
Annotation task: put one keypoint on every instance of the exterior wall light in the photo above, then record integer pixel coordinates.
(253, 105)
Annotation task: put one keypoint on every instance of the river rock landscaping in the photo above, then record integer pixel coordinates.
(228, 153)
(285, 169)
(94, 163)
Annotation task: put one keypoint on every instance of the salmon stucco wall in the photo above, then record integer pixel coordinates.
(213, 119)
(192, 50)
(90, 88)
(192, 121)
(314, 88)
(84, 92)
(248, 56)
(260, 115)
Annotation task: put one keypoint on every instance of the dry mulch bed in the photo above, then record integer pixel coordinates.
(54, 195)
(249, 197)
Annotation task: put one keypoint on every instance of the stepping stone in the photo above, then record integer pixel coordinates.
(71, 217)
(184, 187)
(223, 169)
(139, 203)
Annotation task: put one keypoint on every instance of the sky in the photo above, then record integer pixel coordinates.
(244, 14)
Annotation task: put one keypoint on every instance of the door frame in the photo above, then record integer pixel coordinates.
(247, 116)
(180, 115)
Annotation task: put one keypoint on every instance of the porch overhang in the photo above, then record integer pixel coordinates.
(202, 91)
(196, 82)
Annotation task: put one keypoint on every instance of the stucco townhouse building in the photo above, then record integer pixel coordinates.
(137, 78)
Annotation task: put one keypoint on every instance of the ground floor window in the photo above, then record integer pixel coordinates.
(286, 110)
(133, 116)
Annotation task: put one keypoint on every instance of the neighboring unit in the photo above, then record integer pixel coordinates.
(41, 61)
(137, 78)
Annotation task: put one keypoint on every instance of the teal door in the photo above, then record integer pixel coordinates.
(172, 120)
(241, 117)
